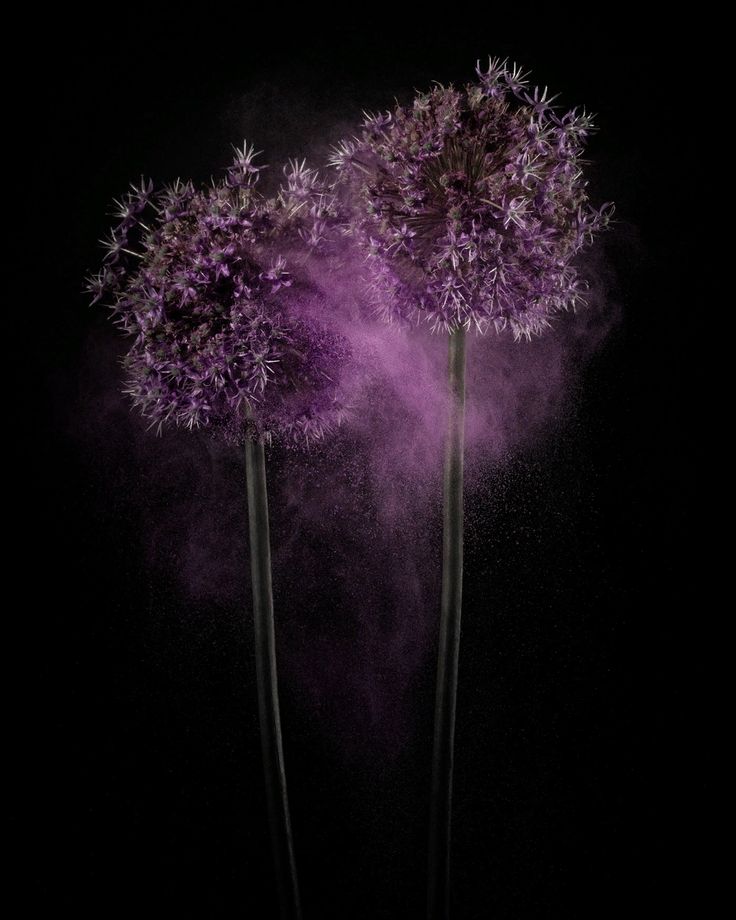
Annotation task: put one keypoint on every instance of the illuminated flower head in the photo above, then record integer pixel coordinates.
(470, 205)
(225, 323)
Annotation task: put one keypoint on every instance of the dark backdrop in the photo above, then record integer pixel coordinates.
(146, 773)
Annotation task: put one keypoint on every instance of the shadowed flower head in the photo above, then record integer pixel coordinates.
(212, 285)
(470, 205)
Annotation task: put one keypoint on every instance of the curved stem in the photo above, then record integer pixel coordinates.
(438, 896)
(267, 683)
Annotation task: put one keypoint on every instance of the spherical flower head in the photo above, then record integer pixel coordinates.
(226, 328)
(470, 205)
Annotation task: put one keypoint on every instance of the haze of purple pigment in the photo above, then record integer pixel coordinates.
(368, 500)
(357, 519)
(371, 501)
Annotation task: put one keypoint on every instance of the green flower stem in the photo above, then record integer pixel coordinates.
(266, 677)
(438, 897)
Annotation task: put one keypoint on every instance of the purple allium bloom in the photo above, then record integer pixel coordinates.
(212, 284)
(470, 205)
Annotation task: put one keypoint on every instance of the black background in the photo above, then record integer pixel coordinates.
(146, 768)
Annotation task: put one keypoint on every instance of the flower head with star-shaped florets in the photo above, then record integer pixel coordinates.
(470, 205)
(225, 325)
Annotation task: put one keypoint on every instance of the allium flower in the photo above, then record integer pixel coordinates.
(229, 334)
(470, 207)
(470, 204)
(225, 325)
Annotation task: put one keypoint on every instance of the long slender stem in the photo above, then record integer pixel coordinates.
(438, 895)
(266, 677)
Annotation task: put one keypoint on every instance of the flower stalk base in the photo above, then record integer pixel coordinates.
(267, 683)
(438, 895)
